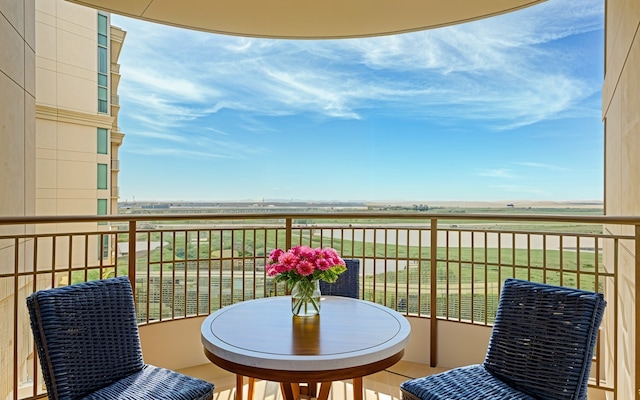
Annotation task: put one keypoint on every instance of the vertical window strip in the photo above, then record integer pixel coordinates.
(102, 176)
(102, 209)
(103, 141)
(103, 64)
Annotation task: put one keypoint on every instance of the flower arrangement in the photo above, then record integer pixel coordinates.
(303, 262)
(301, 268)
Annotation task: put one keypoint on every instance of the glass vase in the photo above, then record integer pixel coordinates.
(305, 298)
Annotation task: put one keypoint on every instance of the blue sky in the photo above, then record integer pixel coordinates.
(507, 108)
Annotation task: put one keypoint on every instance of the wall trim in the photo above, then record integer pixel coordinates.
(73, 117)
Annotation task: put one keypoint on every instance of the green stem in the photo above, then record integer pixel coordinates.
(303, 296)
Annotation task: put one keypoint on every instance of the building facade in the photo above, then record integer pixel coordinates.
(59, 134)
(77, 135)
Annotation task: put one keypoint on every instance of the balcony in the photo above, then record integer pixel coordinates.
(442, 271)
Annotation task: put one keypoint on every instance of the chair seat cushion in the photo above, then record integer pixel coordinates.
(473, 382)
(154, 383)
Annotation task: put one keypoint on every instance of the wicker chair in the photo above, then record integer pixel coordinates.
(87, 340)
(541, 347)
(347, 284)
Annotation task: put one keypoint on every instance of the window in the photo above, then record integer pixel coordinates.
(104, 246)
(103, 63)
(102, 176)
(102, 29)
(102, 209)
(103, 141)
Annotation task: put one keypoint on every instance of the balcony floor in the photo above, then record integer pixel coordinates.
(384, 385)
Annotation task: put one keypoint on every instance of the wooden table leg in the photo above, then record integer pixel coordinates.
(296, 389)
(357, 388)
(325, 387)
(287, 391)
(239, 386)
(312, 389)
(252, 383)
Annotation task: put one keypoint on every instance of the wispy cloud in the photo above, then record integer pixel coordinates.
(163, 151)
(498, 69)
(542, 166)
(195, 96)
(496, 173)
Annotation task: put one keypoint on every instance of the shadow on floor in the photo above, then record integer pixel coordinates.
(384, 385)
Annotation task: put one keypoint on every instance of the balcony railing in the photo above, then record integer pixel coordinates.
(439, 267)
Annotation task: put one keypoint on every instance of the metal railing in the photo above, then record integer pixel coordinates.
(442, 267)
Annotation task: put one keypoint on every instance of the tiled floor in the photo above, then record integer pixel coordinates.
(384, 385)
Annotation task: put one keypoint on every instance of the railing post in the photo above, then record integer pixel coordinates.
(433, 352)
(637, 306)
(132, 256)
(289, 232)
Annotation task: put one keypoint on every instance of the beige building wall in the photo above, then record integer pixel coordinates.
(67, 110)
(621, 113)
(17, 107)
(48, 140)
(17, 165)
(68, 118)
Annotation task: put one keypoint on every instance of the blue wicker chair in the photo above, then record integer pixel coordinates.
(347, 284)
(541, 347)
(87, 340)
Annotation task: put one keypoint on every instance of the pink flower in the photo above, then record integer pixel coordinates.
(288, 261)
(305, 268)
(323, 264)
(275, 254)
(330, 254)
(307, 253)
(272, 269)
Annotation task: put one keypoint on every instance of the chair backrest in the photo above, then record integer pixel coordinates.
(543, 339)
(86, 336)
(347, 284)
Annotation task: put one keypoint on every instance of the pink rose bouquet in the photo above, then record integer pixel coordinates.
(304, 263)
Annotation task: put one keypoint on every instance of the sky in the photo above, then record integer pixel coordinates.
(501, 109)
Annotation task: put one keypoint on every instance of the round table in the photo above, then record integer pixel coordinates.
(262, 339)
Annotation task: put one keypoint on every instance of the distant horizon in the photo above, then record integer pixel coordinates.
(390, 202)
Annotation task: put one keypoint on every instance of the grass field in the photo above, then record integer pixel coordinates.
(467, 278)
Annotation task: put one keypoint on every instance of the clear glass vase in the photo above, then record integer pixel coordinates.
(305, 298)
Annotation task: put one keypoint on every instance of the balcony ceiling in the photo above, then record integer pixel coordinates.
(308, 19)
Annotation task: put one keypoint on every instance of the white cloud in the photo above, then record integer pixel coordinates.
(493, 66)
(543, 166)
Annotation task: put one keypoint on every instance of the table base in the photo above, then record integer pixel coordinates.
(293, 391)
